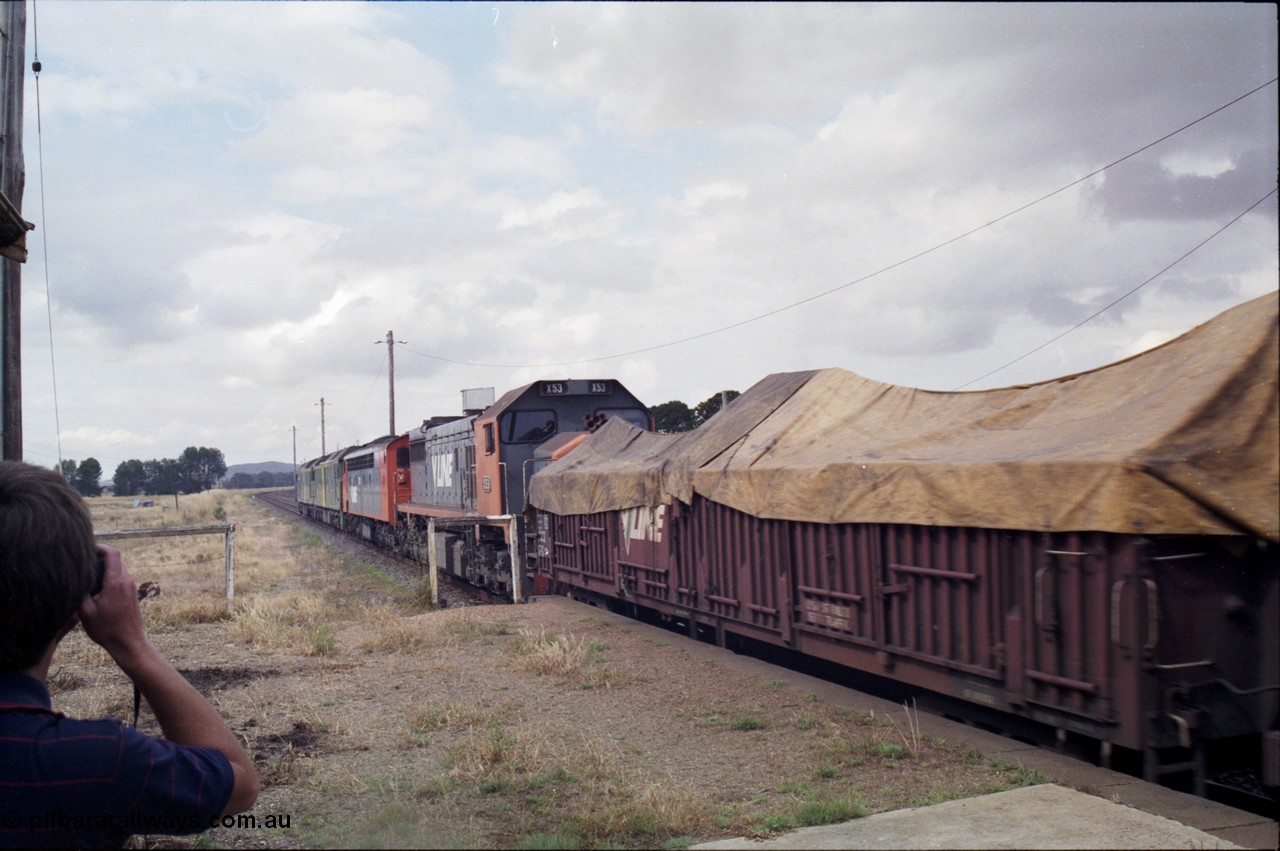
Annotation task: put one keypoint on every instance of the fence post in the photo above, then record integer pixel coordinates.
(231, 565)
(432, 564)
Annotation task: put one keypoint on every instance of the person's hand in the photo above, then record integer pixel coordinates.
(113, 618)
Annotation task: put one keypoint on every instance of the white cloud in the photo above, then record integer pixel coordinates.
(243, 197)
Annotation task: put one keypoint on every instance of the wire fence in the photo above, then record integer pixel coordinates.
(226, 529)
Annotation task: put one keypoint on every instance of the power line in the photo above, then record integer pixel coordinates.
(876, 273)
(1102, 310)
(44, 230)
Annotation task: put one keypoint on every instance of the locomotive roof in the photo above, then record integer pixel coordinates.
(1181, 439)
(517, 394)
(371, 446)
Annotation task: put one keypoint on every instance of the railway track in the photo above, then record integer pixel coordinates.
(451, 591)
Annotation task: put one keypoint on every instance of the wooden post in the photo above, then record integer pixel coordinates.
(13, 29)
(391, 379)
(515, 530)
(433, 566)
(231, 566)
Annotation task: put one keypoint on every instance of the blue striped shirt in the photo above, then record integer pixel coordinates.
(66, 782)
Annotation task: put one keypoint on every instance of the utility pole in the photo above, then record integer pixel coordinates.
(323, 451)
(295, 449)
(391, 374)
(13, 35)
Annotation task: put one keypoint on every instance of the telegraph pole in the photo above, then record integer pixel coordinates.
(391, 375)
(323, 451)
(13, 35)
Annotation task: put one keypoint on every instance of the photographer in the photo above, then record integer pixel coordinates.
(93, 783)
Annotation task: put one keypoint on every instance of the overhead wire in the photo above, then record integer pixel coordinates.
(1112, 304)
(882, 270)
(44, 227)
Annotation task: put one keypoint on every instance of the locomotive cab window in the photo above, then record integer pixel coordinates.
(527, 426)
(635, 416)
(488, 439)
(402, 458)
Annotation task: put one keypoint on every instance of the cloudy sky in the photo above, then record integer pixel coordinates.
(234, 201)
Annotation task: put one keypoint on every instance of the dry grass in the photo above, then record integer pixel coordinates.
(533, 726)
(120, 512)
(399, 635)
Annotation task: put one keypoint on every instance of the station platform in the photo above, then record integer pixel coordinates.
(1033, 817)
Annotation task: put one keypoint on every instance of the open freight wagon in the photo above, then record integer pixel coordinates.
(1097, 553)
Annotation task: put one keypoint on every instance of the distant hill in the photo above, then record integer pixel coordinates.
(261, 467)
(265, 466)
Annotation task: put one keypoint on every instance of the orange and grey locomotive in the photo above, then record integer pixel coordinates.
(452, 491)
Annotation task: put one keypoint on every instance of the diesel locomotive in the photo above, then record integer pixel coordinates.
(452, 491)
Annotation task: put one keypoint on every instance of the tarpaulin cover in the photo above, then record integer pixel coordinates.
(1181, 439)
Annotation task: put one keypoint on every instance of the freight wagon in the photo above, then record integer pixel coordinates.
(1097, 553)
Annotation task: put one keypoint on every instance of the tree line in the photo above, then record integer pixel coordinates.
(674, 416)
(240, 481)
(198, 468)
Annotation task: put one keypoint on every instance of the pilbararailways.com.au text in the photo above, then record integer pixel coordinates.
(139, 823)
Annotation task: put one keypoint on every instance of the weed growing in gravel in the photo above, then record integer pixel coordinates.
(1019, 776)
(437, 716)
(421, 599)
(180, 612)
(299, 622)
(570, 659)
(470, 628)
(397, 634)
(911, 736)
(655, 815)
(493, 753)
(829, 811)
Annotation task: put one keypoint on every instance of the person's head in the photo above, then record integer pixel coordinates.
(48, 563)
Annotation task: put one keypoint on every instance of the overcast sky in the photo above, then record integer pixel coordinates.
(234, 201)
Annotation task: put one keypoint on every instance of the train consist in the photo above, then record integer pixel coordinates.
(1097, 553)
(452, 491)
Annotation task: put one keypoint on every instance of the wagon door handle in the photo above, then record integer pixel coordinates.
(1153, 614)
(1116, 591)
(1039, 585)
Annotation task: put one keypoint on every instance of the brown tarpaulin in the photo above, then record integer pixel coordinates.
(1181, 439)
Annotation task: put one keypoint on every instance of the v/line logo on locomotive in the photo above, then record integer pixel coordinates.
(442, 467)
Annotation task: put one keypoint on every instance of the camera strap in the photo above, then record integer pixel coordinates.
(145, 590)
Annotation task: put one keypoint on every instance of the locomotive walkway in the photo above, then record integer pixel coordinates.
(1086, 807)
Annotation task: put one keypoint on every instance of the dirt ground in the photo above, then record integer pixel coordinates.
(546, 725)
